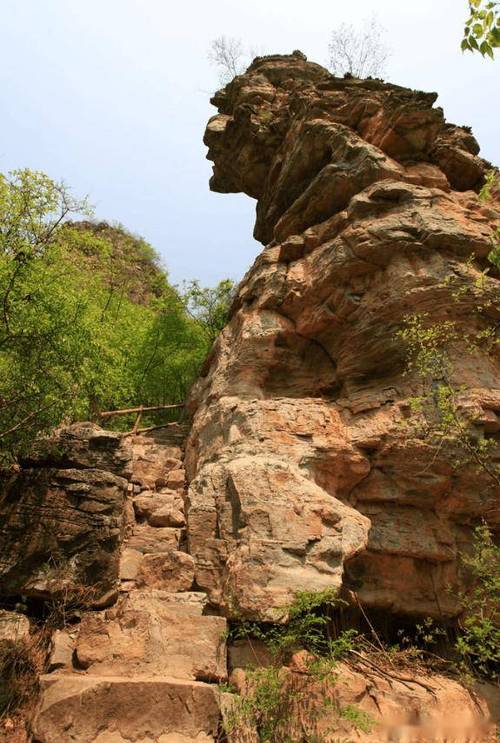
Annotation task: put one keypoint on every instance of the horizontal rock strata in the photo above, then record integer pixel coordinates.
(304, 470)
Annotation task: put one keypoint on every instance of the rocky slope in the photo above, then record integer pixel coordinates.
(305, 470)
(93, 542)
(132, 650)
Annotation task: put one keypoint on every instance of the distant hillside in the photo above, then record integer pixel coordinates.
(125, 261)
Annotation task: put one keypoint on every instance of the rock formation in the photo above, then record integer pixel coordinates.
(304, 470)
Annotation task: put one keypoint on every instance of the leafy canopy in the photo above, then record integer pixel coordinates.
(88, 319)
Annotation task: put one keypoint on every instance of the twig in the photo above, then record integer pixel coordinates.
(372, 629)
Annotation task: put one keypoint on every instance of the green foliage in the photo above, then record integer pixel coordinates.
(264, 706)
(209, 306)
(491, 185)
(274, 701)
(437, 414)
(426, 345)
(357, 717)
(88, 320)
(307, 627)
(478, 645)
(482, 28)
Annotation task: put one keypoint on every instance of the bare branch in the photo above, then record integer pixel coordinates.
(358, 52)
(228, 55)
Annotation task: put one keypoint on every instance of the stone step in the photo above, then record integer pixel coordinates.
(119, 709)
(150, 632)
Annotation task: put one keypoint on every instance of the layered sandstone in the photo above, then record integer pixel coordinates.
(94, 532)
(304, 471)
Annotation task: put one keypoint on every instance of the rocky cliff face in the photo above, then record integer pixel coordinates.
(307, 468)
(306, 471)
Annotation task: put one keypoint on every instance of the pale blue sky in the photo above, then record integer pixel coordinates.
(112, 96)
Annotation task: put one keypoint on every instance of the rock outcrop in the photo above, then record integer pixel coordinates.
(304, 470)
(136, 656)
(305, 465)
(62, 516)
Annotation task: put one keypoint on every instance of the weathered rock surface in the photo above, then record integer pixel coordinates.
(366, 705)
(153, 633)
(90, 709)
(146, 667)
(304, 473)
(62, 517)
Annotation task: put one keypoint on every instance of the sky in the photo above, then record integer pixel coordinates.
(112, 96)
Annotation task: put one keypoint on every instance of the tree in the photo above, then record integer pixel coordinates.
(88, 320)
(209, 306)
(482, 28)
(40, 338)
(358, 52)
(228, 56)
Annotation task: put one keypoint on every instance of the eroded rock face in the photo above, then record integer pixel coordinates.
(62, 517)
(304, 473)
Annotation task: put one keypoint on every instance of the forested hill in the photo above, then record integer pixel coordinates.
(89, 320)
(122, 259)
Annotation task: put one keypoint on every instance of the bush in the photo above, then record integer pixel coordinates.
(478, 644)
(276, 701)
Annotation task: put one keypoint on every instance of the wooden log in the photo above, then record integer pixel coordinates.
(140, 409)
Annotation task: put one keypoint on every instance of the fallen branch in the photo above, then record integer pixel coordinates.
(406, 680)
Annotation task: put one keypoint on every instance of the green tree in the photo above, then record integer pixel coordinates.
(478, 643)
(482, 27)
(88, 319)
(209, 306)
(41, 340)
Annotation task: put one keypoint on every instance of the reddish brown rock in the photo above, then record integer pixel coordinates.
(303, 471)
(115, 709)
(14, 627)
(365, 704)
(169, 571)
(153, 633)
(153, 460)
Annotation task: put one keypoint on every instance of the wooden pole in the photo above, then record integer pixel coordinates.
(140, 409)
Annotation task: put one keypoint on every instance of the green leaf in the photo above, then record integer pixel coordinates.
(495, 37)
(464, 45)
(478, 30)
(473, 43)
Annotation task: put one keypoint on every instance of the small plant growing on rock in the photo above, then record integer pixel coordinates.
(478, 645)
(357, 717)
(276, 700)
